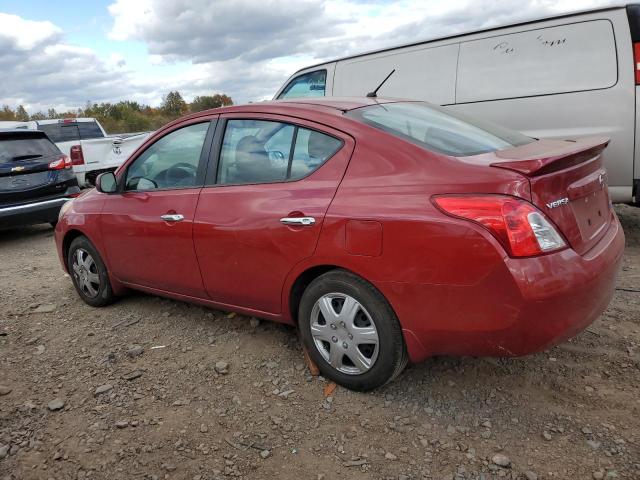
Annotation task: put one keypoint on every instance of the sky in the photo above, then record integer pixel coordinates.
(65, 53)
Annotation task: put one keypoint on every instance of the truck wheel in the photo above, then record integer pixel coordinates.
(351, 331)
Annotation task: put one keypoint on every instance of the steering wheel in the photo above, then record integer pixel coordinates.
(179, 174)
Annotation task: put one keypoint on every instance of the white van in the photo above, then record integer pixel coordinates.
(564, 77)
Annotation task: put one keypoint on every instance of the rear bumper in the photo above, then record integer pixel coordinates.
(43, 211)
(522, 307)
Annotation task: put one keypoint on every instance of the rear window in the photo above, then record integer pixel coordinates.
(89, 130)
(61, 132)
(21, 147)
(438, 130)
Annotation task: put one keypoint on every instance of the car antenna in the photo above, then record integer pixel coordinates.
(374, 94)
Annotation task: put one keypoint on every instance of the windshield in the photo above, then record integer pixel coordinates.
(14, 148)
(437, 129)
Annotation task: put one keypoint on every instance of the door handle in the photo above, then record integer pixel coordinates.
(299, 221)
(172, 217)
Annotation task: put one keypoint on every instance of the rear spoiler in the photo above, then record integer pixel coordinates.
(546, 156)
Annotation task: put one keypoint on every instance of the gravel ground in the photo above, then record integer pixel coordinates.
(152, 388)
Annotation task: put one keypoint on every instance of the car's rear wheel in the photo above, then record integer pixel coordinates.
(89, 273)
(351, 331)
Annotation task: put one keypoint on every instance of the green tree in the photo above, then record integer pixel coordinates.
(21, 114)
(6, 113)
(38, 116)
(205, 102)
(173, 104)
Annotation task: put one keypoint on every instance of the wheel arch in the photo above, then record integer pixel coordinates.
(69, 237)
(302, 280)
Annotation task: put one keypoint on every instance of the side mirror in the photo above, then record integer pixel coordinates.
(106, 182)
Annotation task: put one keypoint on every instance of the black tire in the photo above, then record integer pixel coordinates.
(104, 293)
(53, 224)
(391, 355)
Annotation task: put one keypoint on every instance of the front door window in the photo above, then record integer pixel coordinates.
(171, 162)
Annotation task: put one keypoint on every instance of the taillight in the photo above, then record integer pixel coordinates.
(60, 164)
(519, 226)
(77, 157)
(636, 61)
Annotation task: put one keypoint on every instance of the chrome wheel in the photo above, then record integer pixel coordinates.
(344, 333)
(85, 272)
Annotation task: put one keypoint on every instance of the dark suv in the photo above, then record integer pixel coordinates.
(36, 178)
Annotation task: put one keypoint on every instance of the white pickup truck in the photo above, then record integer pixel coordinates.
(91, 150)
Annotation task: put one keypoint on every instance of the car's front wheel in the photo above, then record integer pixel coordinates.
(89, 273)
(351, 331)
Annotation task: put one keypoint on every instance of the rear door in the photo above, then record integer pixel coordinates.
(147, 226)
(263, 207)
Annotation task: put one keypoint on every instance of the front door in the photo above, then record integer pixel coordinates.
(148, 225)
(263, 209)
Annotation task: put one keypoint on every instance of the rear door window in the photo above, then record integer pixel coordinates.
(262, 151)
(89, 130)
(566, 58)
(61, 132)
(312, 84)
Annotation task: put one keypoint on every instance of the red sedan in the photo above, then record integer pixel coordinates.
(386, 231)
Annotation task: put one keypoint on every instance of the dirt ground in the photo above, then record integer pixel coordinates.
(209, 395)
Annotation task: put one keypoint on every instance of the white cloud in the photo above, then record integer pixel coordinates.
(128, 16)
(26, 34)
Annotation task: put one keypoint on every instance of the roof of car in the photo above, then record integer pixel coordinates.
(343, 104)
(326, 104)
(319, 107)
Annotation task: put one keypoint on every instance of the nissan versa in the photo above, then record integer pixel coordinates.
(386, 231)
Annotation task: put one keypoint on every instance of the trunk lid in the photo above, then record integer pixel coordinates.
(568, 183)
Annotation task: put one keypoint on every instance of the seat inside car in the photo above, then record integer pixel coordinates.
(252, 163)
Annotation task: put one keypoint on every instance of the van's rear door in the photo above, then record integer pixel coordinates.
(568, 183)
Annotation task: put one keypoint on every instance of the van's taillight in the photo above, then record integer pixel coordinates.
(77, 157)
(636, 61)
(60, 164)
(520, 227)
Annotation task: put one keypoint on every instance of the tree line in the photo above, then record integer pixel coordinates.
(126, 116)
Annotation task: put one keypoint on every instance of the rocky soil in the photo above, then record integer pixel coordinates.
(151, 388)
